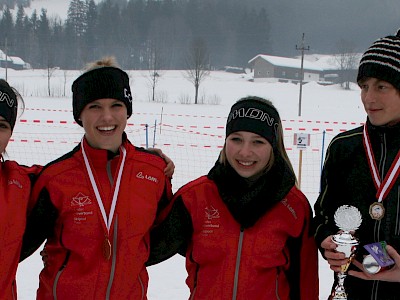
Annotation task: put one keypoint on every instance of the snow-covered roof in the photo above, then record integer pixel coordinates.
(17, 60)
(329, 62)
(3, 56)
(288, 62)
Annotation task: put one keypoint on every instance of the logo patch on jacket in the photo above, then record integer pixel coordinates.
(80, 203)
(81, 200)
(211, 214)
(291, 209)
(140, 175)
(15, 182)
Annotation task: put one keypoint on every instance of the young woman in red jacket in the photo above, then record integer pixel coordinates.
(96, 204)
(245, 227)
(15, 187)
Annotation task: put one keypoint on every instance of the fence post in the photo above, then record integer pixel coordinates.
(322, 155)
(300, 166)
(154, 133)
(147, 135)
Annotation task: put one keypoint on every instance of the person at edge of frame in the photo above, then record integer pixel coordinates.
(361, 169)
(15, 189)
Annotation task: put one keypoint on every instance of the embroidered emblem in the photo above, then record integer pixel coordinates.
(251, 113)
(147, 177)
(291, 209)
(15, 182)
(80, 200)
(127, 95)
(209, 225)
(6, 98)
(212, 213)
(79, 203)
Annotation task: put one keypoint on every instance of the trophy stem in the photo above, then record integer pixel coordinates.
(339, 293)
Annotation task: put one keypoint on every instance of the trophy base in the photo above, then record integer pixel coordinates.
(339, 292)
(339, 296)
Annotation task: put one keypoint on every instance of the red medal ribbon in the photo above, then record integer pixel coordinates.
(391, 176)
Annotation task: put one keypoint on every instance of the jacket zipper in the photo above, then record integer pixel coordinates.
(237, 266)
(377, 238)
(114, 258)
(195, 283)
(14, 290)
(277, 284)
(59, 274)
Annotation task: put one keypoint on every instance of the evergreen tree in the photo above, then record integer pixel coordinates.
(90, 35)
(7, 29)
(77, 17)
(19, 33)
(43, 35)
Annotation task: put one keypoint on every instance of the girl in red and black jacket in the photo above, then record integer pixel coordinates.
(96, 204)
(245, 227)
(15, 188)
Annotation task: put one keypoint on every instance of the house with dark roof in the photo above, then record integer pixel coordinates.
(275, 68)
(12, 62)
(323, 69)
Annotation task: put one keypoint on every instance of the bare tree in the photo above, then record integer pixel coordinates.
(346, 60)
(65, 73)
(50, 72)
(155, 65)
(197, 64)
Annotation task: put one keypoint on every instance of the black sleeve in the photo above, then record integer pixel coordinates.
(39, 225)
(165, 198)
(172, 235)
(328, 199)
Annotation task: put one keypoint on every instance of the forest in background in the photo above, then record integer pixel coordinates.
(137, 32)
(234, 31)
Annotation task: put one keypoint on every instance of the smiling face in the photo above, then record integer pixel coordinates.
(381, 101)
(104, 121)
(248, 153)
(5, 134)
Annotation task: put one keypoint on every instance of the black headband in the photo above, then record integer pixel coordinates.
(100, 83)
(253, 115)
(8, 103)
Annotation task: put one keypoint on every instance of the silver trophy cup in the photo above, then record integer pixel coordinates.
(348, 219)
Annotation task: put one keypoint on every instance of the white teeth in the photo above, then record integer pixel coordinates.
(246, 163)
(106, 128)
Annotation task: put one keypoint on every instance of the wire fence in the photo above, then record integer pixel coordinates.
(193, 148)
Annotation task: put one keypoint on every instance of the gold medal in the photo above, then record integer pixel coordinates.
(106, 248)
(376, 211)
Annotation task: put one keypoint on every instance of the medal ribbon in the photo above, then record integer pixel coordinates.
(392, 174)
(107, 221)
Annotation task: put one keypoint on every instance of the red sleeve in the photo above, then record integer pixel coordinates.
(309, 282)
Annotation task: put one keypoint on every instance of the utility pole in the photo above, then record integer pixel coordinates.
(302, 48)
(5, 52)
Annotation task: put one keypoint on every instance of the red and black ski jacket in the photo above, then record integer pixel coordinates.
(67, 214)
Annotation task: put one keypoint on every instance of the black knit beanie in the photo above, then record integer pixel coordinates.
(255, 115)
(100, 83)
(8, 103)
(382, 61)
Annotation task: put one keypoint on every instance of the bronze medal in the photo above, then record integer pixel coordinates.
(376, 211)
(106, 248)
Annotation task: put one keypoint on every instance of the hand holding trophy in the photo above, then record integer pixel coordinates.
(347, 218)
